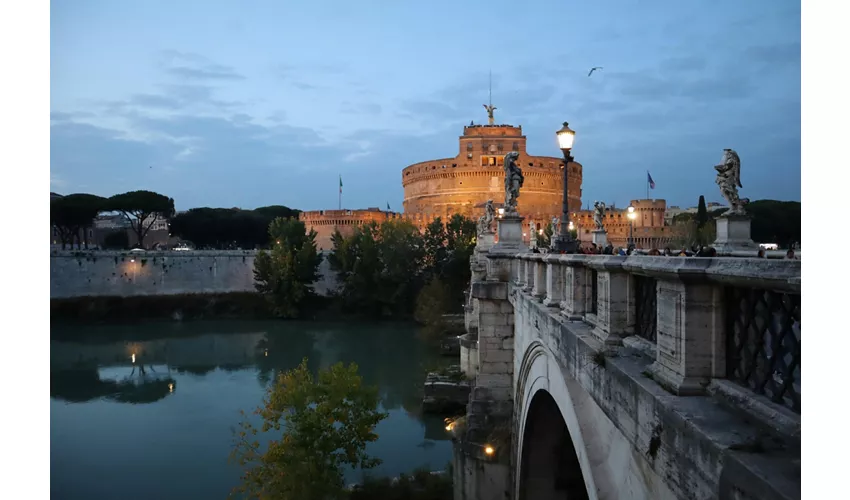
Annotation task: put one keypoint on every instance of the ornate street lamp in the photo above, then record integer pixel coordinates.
(564, 242)
(632, 215)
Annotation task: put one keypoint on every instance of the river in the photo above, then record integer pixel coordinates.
(166, 433)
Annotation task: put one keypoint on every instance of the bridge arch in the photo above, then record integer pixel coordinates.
(552, 460)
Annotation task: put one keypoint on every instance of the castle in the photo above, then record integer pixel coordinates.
(462, 185)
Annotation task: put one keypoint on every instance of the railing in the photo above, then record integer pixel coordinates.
(646, 307)
(763, 343)
(594, 291)
(707, 318)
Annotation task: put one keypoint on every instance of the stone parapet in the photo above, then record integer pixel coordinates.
(695, 314)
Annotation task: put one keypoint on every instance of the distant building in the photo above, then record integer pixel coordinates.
(649, 230)
(325, 222)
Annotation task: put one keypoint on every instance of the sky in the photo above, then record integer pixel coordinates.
(245, 104)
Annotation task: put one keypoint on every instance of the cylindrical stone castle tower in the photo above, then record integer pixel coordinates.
(462, 184)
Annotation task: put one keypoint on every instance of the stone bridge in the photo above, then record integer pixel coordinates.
(630, 378)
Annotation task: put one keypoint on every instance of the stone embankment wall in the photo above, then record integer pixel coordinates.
(126, 274)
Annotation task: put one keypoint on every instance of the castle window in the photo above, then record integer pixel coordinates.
(516, 146)
(469, 146)
(485, 146)
(469, 155)
(499, 146)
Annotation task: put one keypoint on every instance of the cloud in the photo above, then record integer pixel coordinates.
(154, 101)
(360, 108)
(303, 76)
(174, 98)
(192, 66)
(777, 55)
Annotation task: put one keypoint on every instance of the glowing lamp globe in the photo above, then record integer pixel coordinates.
(566, 136)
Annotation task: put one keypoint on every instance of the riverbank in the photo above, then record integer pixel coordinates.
(179, 307)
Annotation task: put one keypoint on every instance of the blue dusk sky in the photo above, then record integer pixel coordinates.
(244, 104)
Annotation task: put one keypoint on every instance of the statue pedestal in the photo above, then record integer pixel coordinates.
(733, 234)
(510, 235)
(600, 237)
(485, 241)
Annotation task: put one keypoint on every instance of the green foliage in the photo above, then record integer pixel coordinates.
(225, 228)
(775, 222)
(71, 215)
(690, 235)
(285, 273)
(326, 423)
(137, 206)
(193, 306)
(382, 268)
(421, 485)
(451, 262)
(545, 240)
(772, 222)
(379, 267)
(431, 304)
(702, 213)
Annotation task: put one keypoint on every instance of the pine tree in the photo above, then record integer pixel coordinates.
(702, 213)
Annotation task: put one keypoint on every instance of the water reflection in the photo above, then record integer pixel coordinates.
(187, 383)
(85, 384)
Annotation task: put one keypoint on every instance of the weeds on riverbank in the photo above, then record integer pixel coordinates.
(421, 485)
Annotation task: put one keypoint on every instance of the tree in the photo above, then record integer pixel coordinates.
(775, 222)
(545, 240)
(460, 244)
(702, 213)
(434, 301)
(380, 267)
(327, 421)
(138, 207)
(226, 228)
(72, 215)
(772, 222)
(284, 274)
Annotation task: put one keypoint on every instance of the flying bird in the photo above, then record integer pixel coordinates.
(593, 69)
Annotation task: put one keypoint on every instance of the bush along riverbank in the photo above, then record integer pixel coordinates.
(184, 307)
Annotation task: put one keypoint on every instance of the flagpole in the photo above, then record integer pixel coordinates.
(647, 184)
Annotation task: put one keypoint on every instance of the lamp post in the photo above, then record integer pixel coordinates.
(564, 242)
(632, 216)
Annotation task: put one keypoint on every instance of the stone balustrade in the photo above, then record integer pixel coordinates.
(702, 320)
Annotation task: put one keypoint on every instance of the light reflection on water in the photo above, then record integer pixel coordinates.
(148, 411)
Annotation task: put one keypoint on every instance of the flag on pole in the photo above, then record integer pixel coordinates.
(340, 184)
(388, 207)
(649, 180)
